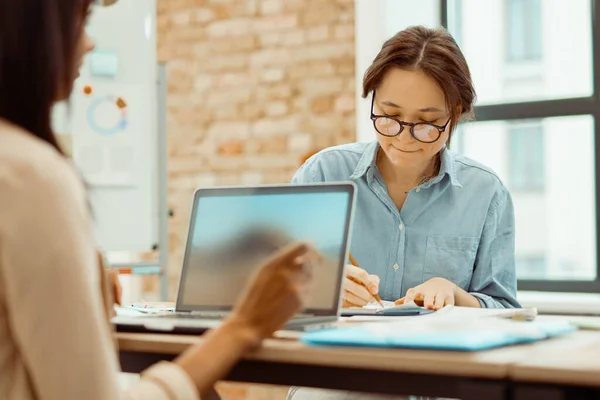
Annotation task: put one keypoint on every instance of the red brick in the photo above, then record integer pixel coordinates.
(269, 39)
(182, 18)
(275, 126)
(344, 31)
(179, 34)
(235, 79)
(322, 104)
(275, 23)
(264, 57)
(272, 75)
(277, 108)
(344, 103)
(324, 51)
(326, 13)
(300, 142)
(231, 147)
(279, 91)
(228, 45)
(229, 27)
(317, 34)
(268, 7)
(219, 130)
(293, 38)
(319, 86)
(203, 15)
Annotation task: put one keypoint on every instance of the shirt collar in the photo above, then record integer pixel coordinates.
(369, 158)
(448, 167)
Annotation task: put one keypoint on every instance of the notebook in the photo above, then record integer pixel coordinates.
(441, 333)
(388, 309)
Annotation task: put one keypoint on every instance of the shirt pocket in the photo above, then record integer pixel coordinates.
(450, 257)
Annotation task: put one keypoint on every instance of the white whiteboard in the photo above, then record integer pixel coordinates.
(115, 148)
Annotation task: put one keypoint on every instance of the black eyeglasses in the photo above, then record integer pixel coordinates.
(422, 131)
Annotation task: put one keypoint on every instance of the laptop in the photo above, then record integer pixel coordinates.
(233, 230)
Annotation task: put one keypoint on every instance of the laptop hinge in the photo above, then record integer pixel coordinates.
(208, 312)
(304, 316)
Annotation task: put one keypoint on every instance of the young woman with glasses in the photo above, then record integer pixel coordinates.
(431, 225)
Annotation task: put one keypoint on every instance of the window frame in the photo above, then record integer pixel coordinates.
(557, 108)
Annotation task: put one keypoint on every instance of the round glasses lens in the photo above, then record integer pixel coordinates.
(387, 126)
(426, 132)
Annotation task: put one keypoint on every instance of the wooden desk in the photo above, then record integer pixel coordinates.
(481, 375)
(563, 368)
(557, 369)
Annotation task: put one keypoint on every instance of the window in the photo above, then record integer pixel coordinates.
(531, 267)
(455, 20)
(556, 224)
(523, 30)
(525, 50)
(526, 157)
(537, 127)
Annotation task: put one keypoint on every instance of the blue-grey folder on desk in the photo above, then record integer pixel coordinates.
(469, 338)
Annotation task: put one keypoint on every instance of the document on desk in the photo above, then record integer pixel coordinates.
(456, 313)
(441, 331)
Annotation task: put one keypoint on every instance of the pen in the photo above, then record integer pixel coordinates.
(355, 263)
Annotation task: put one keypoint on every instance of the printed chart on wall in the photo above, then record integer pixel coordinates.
(104, 144)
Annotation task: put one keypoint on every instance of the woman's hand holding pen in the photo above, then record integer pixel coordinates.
(359, 287)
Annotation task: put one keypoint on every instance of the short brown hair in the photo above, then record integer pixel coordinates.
(435, 52)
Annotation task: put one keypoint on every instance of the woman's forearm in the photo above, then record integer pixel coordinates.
(218, 353)
(463, 298)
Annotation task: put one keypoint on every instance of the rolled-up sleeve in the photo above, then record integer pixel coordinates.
(494, 280)
(48, 257)
(163, 381)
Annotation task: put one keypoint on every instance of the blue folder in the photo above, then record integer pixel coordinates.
(455, 339)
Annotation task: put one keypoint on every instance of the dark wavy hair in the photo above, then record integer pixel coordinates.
(38, 44)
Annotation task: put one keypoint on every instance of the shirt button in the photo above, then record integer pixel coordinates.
(396, 267)
(418, 190)
(401, 227)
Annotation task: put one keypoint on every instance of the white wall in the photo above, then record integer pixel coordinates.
(123, 179)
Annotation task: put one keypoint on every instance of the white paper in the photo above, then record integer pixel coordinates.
(376, 306)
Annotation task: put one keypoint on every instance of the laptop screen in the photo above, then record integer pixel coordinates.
(234, 230)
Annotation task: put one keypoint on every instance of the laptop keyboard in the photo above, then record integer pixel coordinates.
(196, 315)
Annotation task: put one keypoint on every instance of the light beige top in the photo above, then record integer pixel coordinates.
(55, 342)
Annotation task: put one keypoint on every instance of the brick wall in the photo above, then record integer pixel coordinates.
(253, 85)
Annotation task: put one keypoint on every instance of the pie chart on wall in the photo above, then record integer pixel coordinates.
(107, 115)
(107, 135)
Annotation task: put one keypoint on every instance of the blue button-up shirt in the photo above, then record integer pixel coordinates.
(459, 225)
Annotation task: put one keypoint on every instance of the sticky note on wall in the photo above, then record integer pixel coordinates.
(104, 63)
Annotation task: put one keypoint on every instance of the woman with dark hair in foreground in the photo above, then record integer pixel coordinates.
(55, 338)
